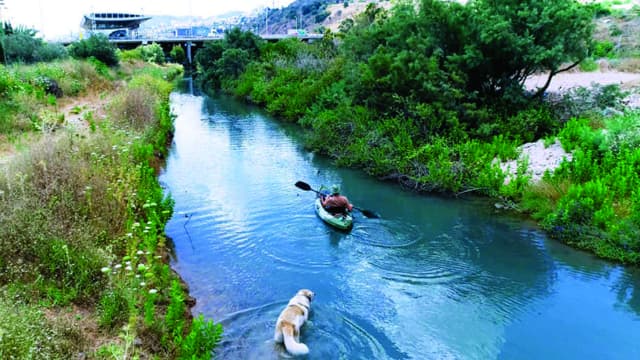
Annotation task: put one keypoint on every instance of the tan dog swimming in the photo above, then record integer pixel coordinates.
(290, 321)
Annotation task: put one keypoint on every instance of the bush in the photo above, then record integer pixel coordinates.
(203, 336)
(588, 65)
(152, 53)
(603, 49)
(97, 46)
(583, 101)
(177, 54)
(130, 55)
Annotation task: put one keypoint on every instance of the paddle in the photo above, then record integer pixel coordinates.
(306, 187)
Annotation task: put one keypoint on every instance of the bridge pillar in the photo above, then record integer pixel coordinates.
(189, 52)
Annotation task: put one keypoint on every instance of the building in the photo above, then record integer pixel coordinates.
(113, 25)
(3, 11)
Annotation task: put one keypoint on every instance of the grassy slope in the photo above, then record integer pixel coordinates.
(84, 265)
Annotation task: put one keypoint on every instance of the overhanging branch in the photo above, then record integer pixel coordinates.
(553, 73)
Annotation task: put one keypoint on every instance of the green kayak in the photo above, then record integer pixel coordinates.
(341, 221)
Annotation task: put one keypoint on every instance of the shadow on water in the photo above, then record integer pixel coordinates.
(432, 278)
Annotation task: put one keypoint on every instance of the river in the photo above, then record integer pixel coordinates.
(432, 278)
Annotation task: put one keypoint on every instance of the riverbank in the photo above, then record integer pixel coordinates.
(84, 258)
(431, 147)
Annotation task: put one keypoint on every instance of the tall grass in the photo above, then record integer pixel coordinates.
(81, 223)
(25, 104)
(26, 333)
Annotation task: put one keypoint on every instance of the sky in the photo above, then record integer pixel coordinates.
(59, 18)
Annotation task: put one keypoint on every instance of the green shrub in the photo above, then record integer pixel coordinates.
(177, 54)
(130, 55)
(603, 49)
(97, 46)
(152, 53)
(202, 338)
(531, 124)
(588, 65)
(113, 309)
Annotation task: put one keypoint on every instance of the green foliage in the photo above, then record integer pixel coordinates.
(152, 53)
(233, 62)
(502, 52)
(202, 338)
(603, 49)
(174, 319)
(433, 96)
(223, 62)
(588, 65)
(25, 333)
(21, 45)
(113, 309)
(76, 204)
(531, 124)
(600, 8)
(177, 54)
(244, 40)
(595, 211)
(130, 55)
(97, 46)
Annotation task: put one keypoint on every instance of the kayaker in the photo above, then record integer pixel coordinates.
(336, 203)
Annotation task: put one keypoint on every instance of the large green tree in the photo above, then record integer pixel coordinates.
(22, 45)
(450, 54)
(509, 40)
(219, 61)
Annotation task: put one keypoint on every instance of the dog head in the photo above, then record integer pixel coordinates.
(306, 293)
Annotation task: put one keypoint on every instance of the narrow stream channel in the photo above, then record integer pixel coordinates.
(431, 279)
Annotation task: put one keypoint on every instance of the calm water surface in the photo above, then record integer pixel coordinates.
(432, 279)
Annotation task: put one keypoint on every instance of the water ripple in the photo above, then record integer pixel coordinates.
(386, 234)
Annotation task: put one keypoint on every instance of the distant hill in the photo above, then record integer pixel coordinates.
(159, 24)
(310, 15)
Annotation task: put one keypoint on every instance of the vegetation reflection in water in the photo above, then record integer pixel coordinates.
(433, 278)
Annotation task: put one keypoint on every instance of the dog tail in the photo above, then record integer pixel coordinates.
(293, 347)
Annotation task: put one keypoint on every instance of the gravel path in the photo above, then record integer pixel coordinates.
(565, 81)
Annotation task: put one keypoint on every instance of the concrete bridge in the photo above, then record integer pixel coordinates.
(191, 44)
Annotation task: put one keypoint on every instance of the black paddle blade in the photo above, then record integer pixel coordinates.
(368, 213)
(303, 185)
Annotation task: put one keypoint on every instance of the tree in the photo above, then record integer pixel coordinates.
(509, 40)
(245, 40)
(233, 62)
(21, 45)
